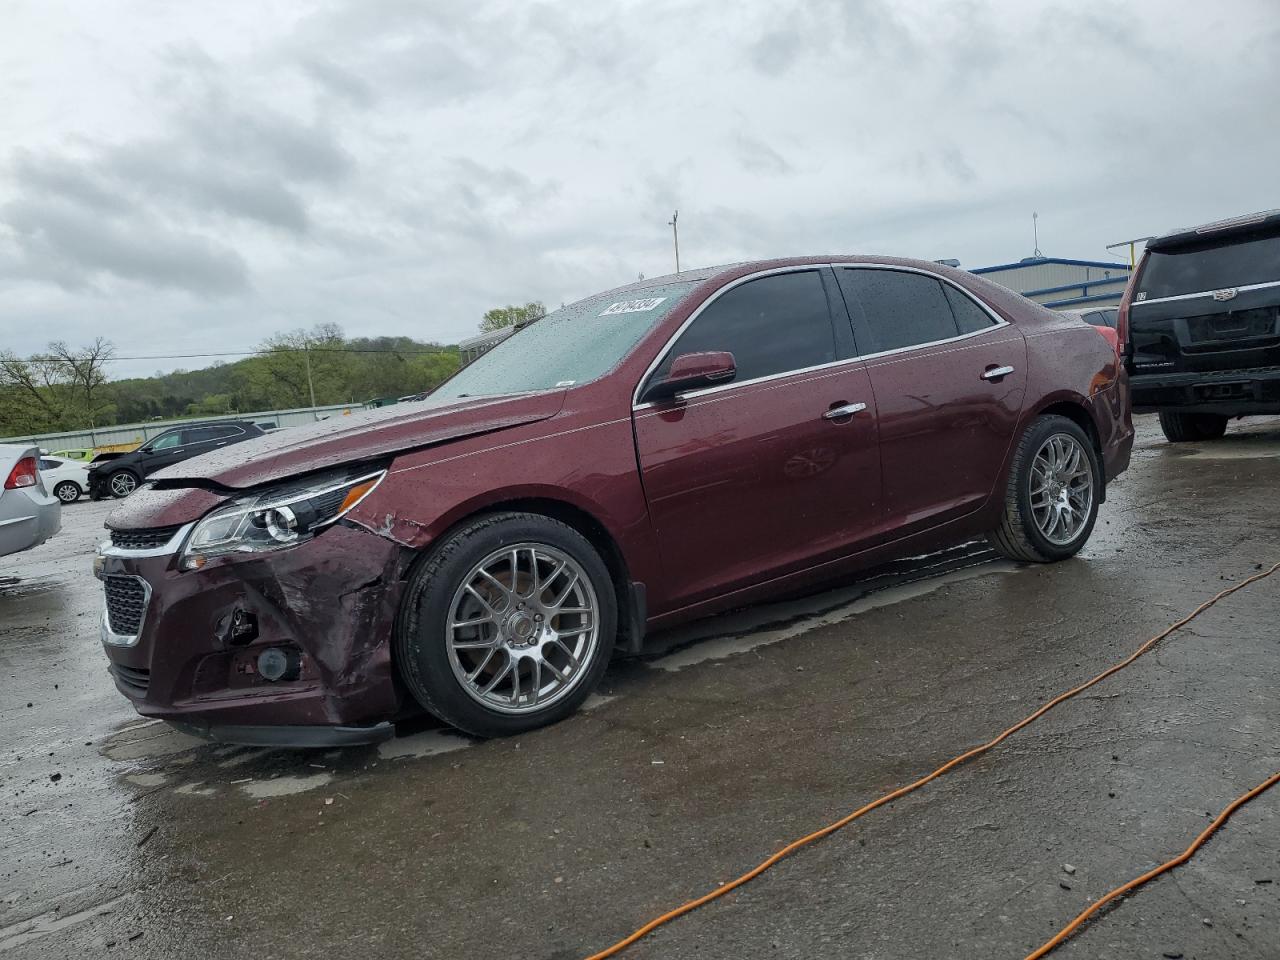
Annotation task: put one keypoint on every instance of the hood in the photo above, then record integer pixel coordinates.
(361, 436)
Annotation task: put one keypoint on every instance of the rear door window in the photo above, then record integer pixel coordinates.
(898, 309)
(969, 316)
(1204, 267)
(207, 434)
(771, 325)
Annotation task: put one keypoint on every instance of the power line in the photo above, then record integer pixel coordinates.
(233, 353)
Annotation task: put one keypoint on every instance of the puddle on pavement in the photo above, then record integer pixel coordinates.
(728, 646)
(1247, 448)
(285, 786)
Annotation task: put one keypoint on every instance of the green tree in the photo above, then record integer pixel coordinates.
(512, 315)
(59, 389)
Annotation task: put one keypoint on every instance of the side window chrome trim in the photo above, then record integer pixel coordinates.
(666, 348)
(997, 323)
(725, 387)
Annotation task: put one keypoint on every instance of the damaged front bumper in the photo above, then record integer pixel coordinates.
(288, 648)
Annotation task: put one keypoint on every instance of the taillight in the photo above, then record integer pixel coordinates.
(23, 474)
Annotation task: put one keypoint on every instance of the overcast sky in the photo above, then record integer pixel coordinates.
(187, 178)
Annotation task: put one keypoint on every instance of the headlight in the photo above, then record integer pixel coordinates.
(276, 518)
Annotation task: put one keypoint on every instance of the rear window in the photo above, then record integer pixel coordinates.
(1209, 266)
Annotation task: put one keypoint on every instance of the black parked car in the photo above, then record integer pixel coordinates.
(1203, 315)
(120, 476)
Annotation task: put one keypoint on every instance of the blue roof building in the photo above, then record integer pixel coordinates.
(1062, 284)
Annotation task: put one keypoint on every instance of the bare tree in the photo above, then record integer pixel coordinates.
(87, 371)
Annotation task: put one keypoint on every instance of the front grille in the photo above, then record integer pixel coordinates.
(1236, 325)
(126, 604)
(133, 680)
(150, 538)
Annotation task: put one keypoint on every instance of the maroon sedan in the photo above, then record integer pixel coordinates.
(639, 458)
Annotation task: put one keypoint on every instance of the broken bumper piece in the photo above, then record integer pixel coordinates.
(288, 736)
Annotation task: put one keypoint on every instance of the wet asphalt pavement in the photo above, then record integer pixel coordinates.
(123, 838)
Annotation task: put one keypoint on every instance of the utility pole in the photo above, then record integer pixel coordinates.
(1035, 233)
(675, 236)
(306, 353)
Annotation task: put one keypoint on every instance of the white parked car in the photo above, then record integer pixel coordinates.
(29, 513)
(68, 480)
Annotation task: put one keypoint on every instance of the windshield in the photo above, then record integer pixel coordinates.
(569, 346)
(1209, 266)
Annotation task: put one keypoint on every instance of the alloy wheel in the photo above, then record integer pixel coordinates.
(1061, 488)
(67, 492)
(523, 628)
(123, 484)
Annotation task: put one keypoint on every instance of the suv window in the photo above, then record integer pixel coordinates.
(209, 434)
(166, 440)
(901, 309)
(1202, 267)
(969, 316)
(771, 325)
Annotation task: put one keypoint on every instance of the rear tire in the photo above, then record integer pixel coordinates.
(1051, 497)
(68, 491)
(1187, 427)
(483, 642)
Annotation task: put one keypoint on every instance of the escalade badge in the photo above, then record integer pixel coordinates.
(1228, 294)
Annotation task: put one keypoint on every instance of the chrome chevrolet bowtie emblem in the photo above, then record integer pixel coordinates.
(1228, 294)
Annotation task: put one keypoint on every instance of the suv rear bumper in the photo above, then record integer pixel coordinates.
(1226, 392)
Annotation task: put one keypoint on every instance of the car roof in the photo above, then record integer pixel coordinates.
(1263, 222)
(209, 423)
(728, 271)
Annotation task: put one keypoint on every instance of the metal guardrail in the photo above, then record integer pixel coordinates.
(133, 434)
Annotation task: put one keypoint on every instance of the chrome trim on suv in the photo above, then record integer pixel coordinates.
(1204, 293)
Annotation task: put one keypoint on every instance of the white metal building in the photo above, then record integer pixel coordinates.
(1062, 284)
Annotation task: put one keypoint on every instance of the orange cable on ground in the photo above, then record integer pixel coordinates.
(1168, 865)
(844, 821)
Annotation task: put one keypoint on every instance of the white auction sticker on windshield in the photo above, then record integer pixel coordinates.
(631, 306)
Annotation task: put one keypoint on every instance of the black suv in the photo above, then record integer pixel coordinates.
(120, 476)
(1204, 326)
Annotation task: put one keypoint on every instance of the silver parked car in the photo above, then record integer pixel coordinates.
(29, 513)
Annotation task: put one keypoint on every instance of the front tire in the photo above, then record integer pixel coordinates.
(507, 626)
(122, 483)
(1187, 427)
(1051, 498)
(68, 491)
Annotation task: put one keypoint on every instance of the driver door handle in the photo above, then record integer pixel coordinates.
(844, 410)
(996, 373)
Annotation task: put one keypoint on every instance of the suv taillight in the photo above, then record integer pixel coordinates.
(23, 474)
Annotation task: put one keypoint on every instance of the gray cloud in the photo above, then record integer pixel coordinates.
(758, 157)
(399, 167)
(74, 247)
(338, 81)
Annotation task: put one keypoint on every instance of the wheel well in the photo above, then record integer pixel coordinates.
(1081, 418)
(580, 520)
(630, 607)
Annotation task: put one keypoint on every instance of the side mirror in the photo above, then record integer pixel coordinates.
(692, 371)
